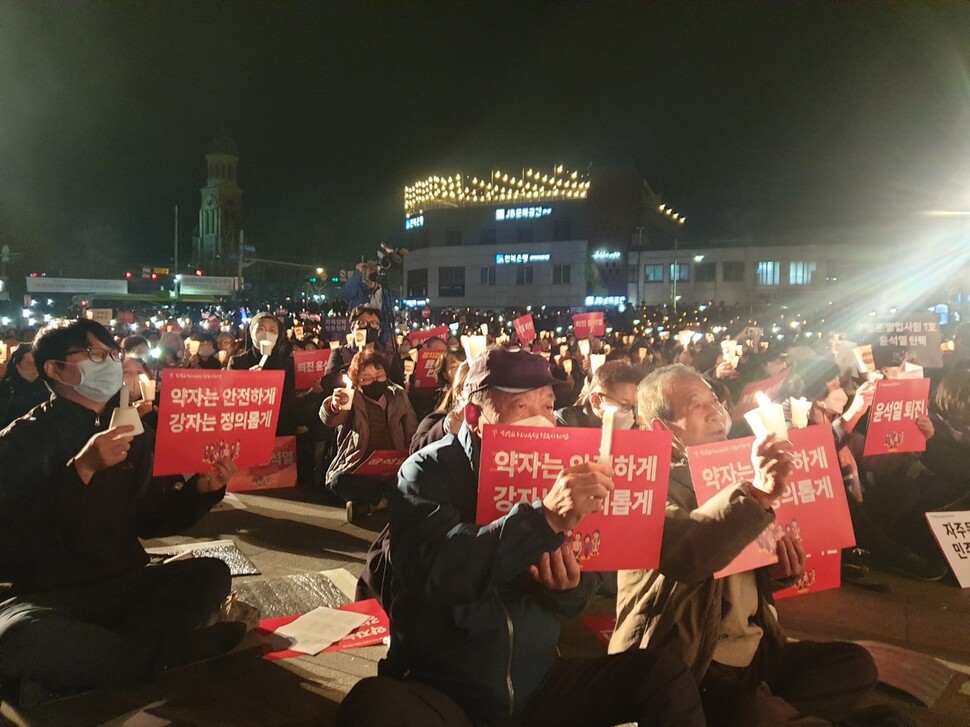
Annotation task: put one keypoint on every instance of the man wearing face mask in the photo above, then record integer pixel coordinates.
(613, 386)
(726, 629)
(365, 325)
(475, 608)
(80, 609)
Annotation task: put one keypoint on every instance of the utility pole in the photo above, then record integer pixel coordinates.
(176, 271)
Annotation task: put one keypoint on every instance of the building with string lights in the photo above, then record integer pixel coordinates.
(554, 237)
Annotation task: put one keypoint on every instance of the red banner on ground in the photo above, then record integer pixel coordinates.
(589, 324)
(746, 401)
(892, 417)
(525, 329)
(279, 473)
(382, 462)
(370, 633)
(425, 368)
(309, 367)
(823, 572)
(208, 414)
(813, 506)
(521, 464)
(420, 336)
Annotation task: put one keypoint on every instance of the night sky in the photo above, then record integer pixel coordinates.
(750, 119)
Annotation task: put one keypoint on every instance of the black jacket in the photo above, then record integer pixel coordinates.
(57, 532)
(18, 396)
(466, 617)
(279, 360)
(339, 362)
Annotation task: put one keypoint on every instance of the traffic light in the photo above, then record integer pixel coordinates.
(335, 279)
(312, 279)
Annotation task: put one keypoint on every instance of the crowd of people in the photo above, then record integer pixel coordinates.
(474, 606)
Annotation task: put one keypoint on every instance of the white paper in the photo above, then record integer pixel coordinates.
(910, 371)
(313, 632)
(952, 533)
(344, 580)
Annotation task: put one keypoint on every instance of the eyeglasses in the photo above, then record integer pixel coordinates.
(365, 324)
(100, 354)
(365, 380)
(615, 404)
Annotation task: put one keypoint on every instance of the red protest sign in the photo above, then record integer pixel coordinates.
(525, 329)
(309, 367)
(892, 417)
(382, 462)
(521, 464)
(823, 572)
(424, 370)
(207, 414)
(418, 337)
(813, 506)
(770, 387)
(588, 324)
(370, 633)
(279, 473)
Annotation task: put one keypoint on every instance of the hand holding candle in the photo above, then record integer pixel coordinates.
(344, 398)
(767, 418)
(265, 348)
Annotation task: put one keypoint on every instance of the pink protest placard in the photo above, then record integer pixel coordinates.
(813, 506)
(370, 633)
(521, 464)
(525, 329)
(382, 462)
(279, 473)
(207, 414)
(892, 418)
(588, 324)
(823, 572)
(425, 368)
(770, 387)
(418, 337)
(309, 367)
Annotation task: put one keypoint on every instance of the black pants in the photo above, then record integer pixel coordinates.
(360, 488)
(648, 687)
(111, 632)
(825, 680)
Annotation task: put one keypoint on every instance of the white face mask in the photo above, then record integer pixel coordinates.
(624, 420)
(535, 421)
(836, 400)
(100, 380)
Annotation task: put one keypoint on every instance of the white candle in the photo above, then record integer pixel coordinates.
(584, 346)
(595, 361)
(484, 328)
(606, 438)
(767, 418)
(567, 365)
(799, 411)
(147, 385)
(349, 391)
(265, 348)
(123, 403)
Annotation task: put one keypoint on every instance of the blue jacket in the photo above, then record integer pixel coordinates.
(466, 617)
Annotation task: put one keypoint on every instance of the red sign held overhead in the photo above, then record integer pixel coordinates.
(896, 405)
(521, 464)
(769, 387)
(425, 368)
(589, 324)
(309, 367)
(204, 415)
(420, 336)
(525, 329)
(813, 506)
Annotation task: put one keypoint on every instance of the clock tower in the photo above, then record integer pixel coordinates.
(216, 238)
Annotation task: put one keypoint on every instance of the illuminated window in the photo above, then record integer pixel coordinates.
(768, 272)
(679, 272)
(801, 273)
(451, 282)
(653, 273)
(733, 271)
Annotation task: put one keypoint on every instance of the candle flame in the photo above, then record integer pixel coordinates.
(347, 382)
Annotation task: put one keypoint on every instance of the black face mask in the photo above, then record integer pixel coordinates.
(374, 390)
(372, 277)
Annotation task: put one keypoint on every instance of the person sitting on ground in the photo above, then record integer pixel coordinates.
(613, 385)
(21, 388)
(726, 629)
(378, 417)
(475, 609)
(265, 331)
(79, 608)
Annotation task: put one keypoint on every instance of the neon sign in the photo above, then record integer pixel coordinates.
(521, 213)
